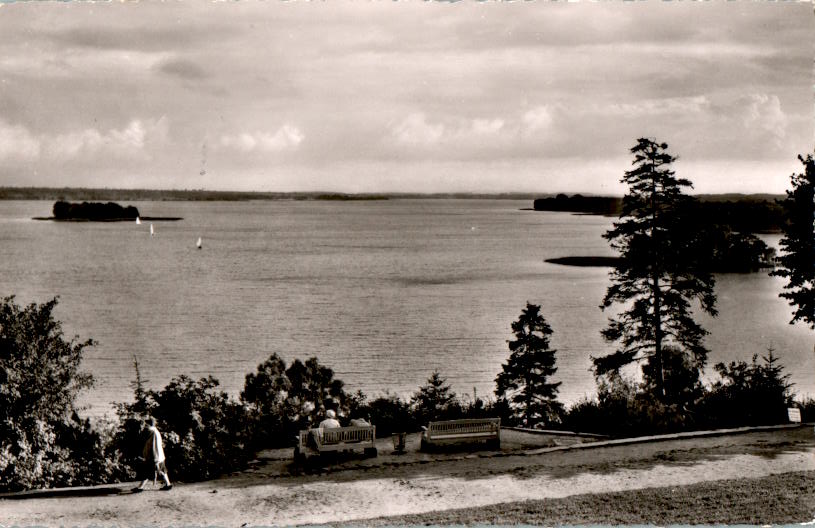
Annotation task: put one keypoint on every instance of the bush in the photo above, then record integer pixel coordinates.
(43, 442)
(204, 432)
(281, 401)
(624, 408)
(390, 414)
(748, 394)
(807, 406)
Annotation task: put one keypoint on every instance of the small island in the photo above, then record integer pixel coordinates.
(98, 212)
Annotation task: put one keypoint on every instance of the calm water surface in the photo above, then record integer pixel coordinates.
(383, 292)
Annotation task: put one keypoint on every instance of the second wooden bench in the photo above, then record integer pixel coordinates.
(462, 431)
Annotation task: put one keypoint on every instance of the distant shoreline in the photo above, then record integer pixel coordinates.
(157, 195)
(94, 194)
(594, 262)
(143, 218)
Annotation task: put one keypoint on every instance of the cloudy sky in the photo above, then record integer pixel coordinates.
(402, 96)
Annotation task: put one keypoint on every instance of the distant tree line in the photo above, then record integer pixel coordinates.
(740, 214)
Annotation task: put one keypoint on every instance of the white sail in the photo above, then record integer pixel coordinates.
(151, 230)
(138, 221)
(199, 243)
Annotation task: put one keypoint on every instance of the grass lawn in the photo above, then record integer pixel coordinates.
(778, 499)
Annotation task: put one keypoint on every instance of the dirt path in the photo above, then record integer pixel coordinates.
(268, 495)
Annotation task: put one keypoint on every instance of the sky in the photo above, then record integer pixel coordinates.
(408, 96)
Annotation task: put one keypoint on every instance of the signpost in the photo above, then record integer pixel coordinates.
(794, 414)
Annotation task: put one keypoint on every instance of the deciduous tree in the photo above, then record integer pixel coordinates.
(43, 442)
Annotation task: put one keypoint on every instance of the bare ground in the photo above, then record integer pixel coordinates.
(534, 479)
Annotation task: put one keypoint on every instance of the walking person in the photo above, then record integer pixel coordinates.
(153, 458)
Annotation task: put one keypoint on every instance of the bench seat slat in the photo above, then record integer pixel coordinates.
(460, 435)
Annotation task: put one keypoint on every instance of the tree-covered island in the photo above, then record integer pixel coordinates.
(718, 231)
(96, 212)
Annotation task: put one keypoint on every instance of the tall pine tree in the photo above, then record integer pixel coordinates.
(659, 272)
(524, 379)
(798, 245)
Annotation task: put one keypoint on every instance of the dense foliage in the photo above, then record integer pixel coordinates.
(281, 401)
(43, 442)
(524, 379)
(93, 211)
(204, 431)
(798, 245)
(659, 272)
(754, 393)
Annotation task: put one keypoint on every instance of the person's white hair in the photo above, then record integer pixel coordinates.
(330, 413)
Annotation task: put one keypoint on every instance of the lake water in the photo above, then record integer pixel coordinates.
(383, 292)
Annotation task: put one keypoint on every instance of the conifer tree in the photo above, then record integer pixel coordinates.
(660, 270)
(434, 400)
(798, 245)
(524, 379)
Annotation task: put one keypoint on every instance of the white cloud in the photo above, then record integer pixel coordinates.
(129, 141)
(17, 143)
(655, 107)
(285, 138)
(416, 130)
(487, 126)
(539, 118)
(763, 113)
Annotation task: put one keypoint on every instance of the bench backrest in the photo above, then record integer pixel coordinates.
(472, 425)
(339, 435)
(348, 434)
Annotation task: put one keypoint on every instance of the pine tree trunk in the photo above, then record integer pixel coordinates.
(658, 337)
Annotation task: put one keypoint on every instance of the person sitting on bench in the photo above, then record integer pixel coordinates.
(315, 436)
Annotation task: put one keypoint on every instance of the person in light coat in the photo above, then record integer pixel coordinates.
(154, 460)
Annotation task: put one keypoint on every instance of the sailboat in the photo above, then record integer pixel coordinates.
(151, 230)
(138, 221)
(199, 243)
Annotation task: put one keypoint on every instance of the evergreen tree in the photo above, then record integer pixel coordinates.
(798, 245)
(660, 270)
(523, 381)
(434, 400)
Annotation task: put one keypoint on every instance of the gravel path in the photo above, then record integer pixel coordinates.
(355, 490)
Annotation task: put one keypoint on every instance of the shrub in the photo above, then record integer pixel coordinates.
(807, 406)
(204, 431)
(43, 442)
(624, 408)
(281, 401)
(752, 393)
(390, 414)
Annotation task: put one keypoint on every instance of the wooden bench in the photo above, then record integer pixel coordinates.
(335, 439)
(463, 431)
